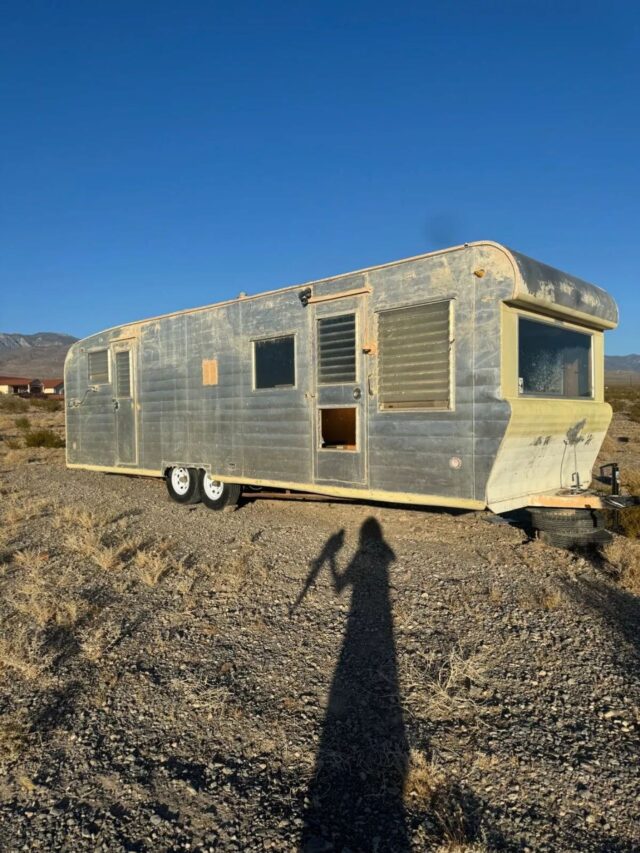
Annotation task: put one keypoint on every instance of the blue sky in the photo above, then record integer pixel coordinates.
(157, 156)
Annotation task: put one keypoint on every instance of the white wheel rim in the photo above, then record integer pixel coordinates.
(213, 489)
(180, 480)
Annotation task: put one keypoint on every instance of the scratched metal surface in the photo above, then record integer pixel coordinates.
(271, 434)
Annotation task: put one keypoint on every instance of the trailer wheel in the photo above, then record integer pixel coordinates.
(217, 495)
(570, 528)
(183, 485)
(567, 520)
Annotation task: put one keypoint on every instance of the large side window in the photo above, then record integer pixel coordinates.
(337, 349)
(99, 367)
(274, 362)
(414, 357)
(553, 361)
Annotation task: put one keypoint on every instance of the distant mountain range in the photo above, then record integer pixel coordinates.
(39, 356)
(628, 363)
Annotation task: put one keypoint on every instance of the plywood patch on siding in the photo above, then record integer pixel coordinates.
(209, 371)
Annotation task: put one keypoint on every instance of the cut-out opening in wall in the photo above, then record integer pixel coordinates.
(338, 429)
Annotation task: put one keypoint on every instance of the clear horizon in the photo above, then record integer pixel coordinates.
(159, 157)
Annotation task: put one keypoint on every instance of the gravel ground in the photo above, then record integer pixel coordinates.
(316, 675)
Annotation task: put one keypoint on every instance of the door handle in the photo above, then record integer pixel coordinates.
(357, 393)
(116, 404)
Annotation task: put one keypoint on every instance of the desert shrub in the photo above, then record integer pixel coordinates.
(13, 443)
(13, 404)
(46, 405)
(629, 522)
(23, 423)
(634, 412)
(618, 404)
(43, 438)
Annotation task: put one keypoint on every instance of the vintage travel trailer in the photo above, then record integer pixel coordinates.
(471, 377)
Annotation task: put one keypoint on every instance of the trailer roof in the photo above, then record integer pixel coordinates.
(534, 282)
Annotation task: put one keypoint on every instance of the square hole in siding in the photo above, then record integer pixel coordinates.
(338, 429)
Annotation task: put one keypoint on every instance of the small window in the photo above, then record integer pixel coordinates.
(337, 349)
(414, 359)
(274, 362)
(553, 361)
(123, 374)
(99, 367)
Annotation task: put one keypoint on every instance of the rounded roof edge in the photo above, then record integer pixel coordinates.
(552, 289)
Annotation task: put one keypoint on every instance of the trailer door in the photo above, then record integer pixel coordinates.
(339, 401)
(124, 404)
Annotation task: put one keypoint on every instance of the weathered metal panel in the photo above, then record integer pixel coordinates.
(558, 292)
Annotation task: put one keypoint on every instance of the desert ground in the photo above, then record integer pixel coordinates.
(313, 675)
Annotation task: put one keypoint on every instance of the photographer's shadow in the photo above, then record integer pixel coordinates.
(355, 799)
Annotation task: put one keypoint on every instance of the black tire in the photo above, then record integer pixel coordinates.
(576, 540)
(567, 520)
(183, 485)
(216, 495)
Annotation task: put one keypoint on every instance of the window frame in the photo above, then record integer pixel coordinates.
(90, 352)
(357, 348)
(451, 299)
(116, 384)
(274, 337)
(559, 324)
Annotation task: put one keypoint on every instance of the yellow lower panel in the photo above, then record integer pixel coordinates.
(546, 441)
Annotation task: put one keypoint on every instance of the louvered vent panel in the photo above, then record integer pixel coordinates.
(99, 366)
(337, 349)
(414, 357)
(123, 374)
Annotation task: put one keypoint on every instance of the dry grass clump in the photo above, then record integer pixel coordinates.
(45, 598)
(450, 688)
(14, 731)
(427, 789)
(629, 518)
(154, 564)
(31, 557)
(550, 599)
(624, 555)
(445, 690)
(20, 653)
(16, 510)
(423, 780)
(75, 516)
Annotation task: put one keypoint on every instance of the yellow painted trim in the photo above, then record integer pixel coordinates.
(362, 494)
(107, 469)
(337, 491)
(531, 303)
(329, 297)
(509, 355)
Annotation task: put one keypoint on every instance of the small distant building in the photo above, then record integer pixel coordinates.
(53, 386)
(14, 385)
(36, 387)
